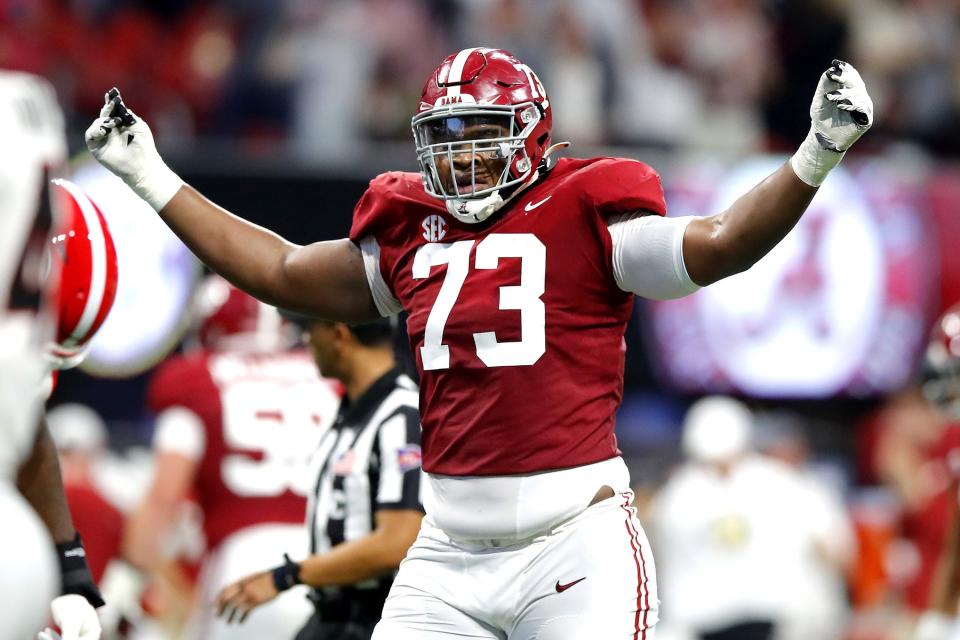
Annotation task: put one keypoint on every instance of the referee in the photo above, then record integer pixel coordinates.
(365, 509)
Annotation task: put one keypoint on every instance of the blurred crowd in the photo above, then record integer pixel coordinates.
(730, 75)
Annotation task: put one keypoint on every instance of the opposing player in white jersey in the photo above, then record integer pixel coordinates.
(58, 274)
(32, 130)
(238, 421)
(518, 273)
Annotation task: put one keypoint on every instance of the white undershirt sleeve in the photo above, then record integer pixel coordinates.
(179, 430)
(648, 256)
(386, 303)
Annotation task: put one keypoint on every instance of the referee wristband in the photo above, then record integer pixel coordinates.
(286, 575)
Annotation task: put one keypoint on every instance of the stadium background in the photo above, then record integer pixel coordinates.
(282, 111)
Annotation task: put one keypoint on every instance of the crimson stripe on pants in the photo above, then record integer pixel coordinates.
(641, 631)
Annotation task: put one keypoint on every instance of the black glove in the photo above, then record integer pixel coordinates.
(75, 573)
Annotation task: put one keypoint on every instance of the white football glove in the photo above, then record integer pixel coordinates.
(840, 113)
(130, 153)
(76, 618)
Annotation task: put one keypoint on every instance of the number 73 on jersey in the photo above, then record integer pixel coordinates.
(525, 297)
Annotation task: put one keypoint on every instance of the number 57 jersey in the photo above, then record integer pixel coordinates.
(251, 423)
(516, 324)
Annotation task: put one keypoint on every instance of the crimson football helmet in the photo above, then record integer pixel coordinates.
(941, 365)
(83, 263)
(466, 104)
(227, 318)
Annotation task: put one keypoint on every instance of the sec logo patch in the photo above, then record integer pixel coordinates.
(434, 228)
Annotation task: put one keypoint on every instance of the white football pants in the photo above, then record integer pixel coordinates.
(29, 574)
(590, 577)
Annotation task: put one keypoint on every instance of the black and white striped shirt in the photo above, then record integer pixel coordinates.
(368, 461)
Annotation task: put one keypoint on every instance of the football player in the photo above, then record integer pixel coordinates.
(32, 128)
(83, 256)
(518, 272)
(35, 325)
(941, 387)
(238, 419)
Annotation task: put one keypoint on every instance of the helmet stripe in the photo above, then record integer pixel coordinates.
(98, 262)
(456, 70)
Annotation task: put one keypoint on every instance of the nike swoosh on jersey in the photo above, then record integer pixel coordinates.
(563, 587)
(531, 205)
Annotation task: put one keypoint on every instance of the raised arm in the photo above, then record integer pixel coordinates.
(718, 246)
(324, 279)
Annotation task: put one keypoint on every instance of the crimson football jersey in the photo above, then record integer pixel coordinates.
(516, 324)
(263, 416)
(98, 521)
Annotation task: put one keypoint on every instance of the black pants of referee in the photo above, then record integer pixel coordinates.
(316, 629)
(758, 630)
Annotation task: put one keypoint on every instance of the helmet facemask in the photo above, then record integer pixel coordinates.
(457, 142)
(940, 380)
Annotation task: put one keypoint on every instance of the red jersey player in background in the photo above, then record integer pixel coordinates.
(919, 455)
(518, 273)
(237, 423)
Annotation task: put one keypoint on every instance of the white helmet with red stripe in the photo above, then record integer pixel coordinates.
(83, 254)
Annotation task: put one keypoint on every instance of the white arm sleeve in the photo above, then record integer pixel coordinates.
(386, 303)
(648, 256)
(179, 430)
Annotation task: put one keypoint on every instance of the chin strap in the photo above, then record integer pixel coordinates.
(475, 211)
(554, 148)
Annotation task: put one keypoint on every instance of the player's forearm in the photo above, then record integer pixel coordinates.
(731, 242)
(40, 482)
(248, 255)
(144, 531)
(324, 279)
(354, 561)
(736, 239)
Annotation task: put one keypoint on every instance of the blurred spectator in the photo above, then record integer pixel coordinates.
(658, 102)
(819, 606)
(909, 51)
(729, 49)
(716, 74)
(349, 57)
(743, 538)
(808, 34)
(911, 459)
